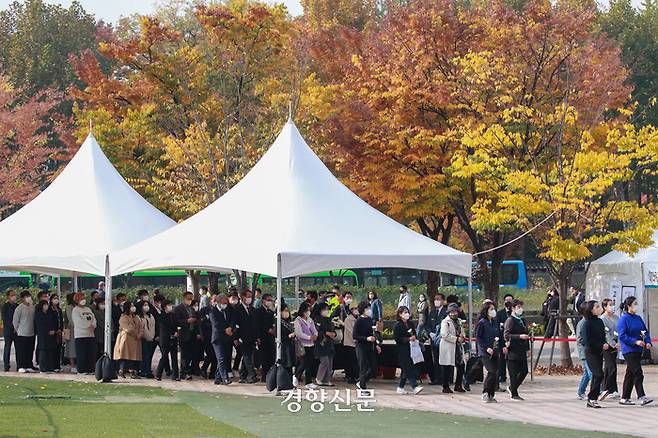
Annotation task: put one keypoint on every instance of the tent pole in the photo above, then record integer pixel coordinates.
(108, 308)
(470, 311)
(279, 291)
(74, 278)
(296, 292)
(59, 286)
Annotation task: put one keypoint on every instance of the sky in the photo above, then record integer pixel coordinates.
(111, 10)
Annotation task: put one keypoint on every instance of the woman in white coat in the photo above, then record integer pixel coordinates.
(451, 349)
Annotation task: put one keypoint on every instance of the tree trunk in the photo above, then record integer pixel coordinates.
(213, 282)
(195, 278)
(432, 285)
(254, 281)
(241, 277)
(564, 278)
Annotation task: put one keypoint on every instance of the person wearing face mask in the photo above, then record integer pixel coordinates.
(158, 313)
(46, 324)
(404, 333)
(233, 303)
(23, 322)
(168, 336)
(486, 335)
(367, 346)
(436, 316)
(503, 314)
(246, 336)
(595, 345)
(516, 338)
(405, 297)
(221, 335)
(306, 333)
(209, 364)
(324, 346)
(99, 332)
(586, 377)
(54, 306)
(351, 367)
(148, 339)
(186, 319)
(84, 323)
(451, 349)
(635, 339)
(288, 339)
(9, 332)
(265, 320)
(343, 309)
(377, 310)
(67, 335)
(610, 321)
(422, 311)
(128, 348)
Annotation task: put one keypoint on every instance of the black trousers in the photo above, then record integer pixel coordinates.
(85, 354)
(168, 352)
(437, 369)
(307, 366)
(595, 363)
(24, 351)
(209, 363)
(518, 370)
(448, 371)
(238, 358)
(10, 338)
(221, 373)
(351, 365)
(491, 380)
(267, 350)
(634, 376)
(167, 368)
(610, 370)
(187, 352)
(247, 368)
(365, 356)
(502, 367)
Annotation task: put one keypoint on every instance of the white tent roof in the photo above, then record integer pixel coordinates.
(648, 254)
(290, 205)
(84, 214)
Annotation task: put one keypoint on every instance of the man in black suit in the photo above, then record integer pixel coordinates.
(168, 340)
(222, 333)
(158, 313)
(265, 320)
(247, 336)
(186, 319)
(501, 316)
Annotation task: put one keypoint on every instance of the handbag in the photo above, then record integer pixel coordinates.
(416, 352)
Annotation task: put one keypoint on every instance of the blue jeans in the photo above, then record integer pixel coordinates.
(584, 380)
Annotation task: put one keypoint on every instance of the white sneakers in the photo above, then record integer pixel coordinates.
(26, 370)
(401, 391)
(416, 390)
(294, 381)
(311, 386)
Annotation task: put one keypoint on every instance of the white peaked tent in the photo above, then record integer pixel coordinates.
(287, 217)
(88, 211)
(617, 275)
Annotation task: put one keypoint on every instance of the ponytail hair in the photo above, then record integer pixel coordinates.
(627, 303)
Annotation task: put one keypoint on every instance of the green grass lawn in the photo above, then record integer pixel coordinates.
(46, 408)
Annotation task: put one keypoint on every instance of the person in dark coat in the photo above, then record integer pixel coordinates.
(168, 334)
(158, 313)
(487, 339)
(502, 315)
(222, 333)
(265, 320)
(366, 344)
(46, 323)
(404, 332)
(550, 307)
(186, 319)
(324, 346)
(288, 356)
(595, 343)
(516, 338)
(209, 364)
(8, 331)
(246, 336)
(438, 314)
(54, 306)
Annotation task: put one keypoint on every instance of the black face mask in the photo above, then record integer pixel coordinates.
(508, 304)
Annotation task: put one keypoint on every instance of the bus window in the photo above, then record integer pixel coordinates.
(509, 274)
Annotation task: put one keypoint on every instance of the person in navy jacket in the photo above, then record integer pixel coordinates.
(634, 339)
(222, 332)
(487, 336)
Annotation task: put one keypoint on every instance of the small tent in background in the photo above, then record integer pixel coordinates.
(617, 275)
(87, 212)
(287, 217)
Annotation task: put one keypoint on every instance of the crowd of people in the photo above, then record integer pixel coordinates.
(233, 335)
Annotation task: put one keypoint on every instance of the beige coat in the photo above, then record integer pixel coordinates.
(348, 339)
(129, 344)
(448, 341)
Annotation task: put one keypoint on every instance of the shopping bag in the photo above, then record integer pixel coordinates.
(416, 352)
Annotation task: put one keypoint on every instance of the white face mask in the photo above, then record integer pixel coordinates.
(196, 307)
(233, 302)
(28, 300)
(285, 315)
(368, 313)
(519, 311)
(222, 306)
(492, 313)
(82, 302)
(348, 300)
(133, 309)
(44, 309)
(404, 316)
(325, 313)
(168, 309)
